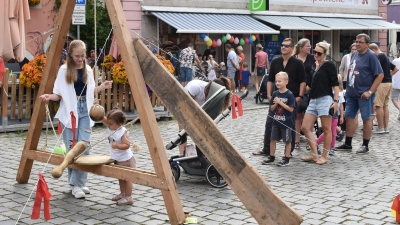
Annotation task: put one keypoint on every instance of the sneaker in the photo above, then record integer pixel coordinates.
(340, 136)
(332, 151)
(85, 190)
(268, 161)
(386, 130)
(284, 162)
(77, 192)
(378, 131)
(297, 145)
(344, 147)
(362, 149)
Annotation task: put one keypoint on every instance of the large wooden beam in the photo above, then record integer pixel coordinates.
(137, 176)
(145, 111)
(46, 86)
(251, 188)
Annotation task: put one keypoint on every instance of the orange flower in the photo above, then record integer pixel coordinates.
(108, 62)
(31, 73)
(119, 73)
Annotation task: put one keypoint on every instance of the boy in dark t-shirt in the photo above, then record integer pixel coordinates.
(282, 104)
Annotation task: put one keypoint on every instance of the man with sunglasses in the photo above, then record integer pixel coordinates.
(294, 67)
(365, 75)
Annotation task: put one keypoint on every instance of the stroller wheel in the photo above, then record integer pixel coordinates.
(176, 171)
(214, 178)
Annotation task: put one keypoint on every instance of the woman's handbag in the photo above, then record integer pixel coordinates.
(304, 101)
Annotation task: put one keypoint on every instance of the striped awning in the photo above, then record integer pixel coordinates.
(214, 23)
(290, 22)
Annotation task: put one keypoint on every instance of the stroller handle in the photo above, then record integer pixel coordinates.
(182, 134)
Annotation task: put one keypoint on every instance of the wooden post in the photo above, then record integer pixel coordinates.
(250, 187)
(4, 99)
(145, 110)
(46, 86)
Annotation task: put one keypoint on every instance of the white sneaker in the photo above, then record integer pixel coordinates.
(85, 190)
(386, 130)
(378, 131)
(77, 192)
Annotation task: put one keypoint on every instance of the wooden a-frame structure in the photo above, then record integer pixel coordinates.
(143, 67)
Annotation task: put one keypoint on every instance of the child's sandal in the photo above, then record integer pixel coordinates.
(125, 201)
(118, 197)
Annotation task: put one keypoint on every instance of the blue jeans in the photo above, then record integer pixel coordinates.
(83, 132)
(186, 74)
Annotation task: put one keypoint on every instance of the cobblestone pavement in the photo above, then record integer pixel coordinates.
(349, 189)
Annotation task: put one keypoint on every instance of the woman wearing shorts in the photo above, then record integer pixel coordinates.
(322, 102)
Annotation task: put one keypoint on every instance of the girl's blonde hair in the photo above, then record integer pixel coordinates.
(340, 83)
(72, 75)
(300, 44)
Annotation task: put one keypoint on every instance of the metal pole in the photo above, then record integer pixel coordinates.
(78, 31)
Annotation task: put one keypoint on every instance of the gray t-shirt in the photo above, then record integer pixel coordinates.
(231, 55)
(362, 72)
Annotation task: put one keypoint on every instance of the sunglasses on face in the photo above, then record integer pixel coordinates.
(286, 46)
(317, 53)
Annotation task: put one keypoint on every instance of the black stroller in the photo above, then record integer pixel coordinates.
(262, 92)
(194, 162)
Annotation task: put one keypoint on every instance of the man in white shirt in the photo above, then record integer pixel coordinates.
(396, 83)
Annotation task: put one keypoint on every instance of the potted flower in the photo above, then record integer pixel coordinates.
(108, 62)
(31, 73)
(119, 73)
(34, 2)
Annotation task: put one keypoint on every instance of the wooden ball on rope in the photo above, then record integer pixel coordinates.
(96, 112)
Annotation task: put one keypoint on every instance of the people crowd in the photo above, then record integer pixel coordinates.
(323, 94)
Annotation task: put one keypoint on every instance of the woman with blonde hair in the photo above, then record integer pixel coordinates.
(323, 103)
(302, 51)
(75, 89)
(211, 68)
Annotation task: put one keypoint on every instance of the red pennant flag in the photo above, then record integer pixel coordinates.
(236, 102)
(73, 122)
(42, 191)
(396, 207)
(59, 128)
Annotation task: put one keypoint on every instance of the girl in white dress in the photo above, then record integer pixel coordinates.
(211, 68)
(120, 151)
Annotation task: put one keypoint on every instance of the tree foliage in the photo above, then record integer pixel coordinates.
(103, 26)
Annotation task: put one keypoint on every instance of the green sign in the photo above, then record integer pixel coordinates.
(258, 5)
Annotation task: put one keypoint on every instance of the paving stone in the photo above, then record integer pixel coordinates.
(349, 189)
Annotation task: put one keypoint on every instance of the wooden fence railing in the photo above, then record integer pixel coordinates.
(17, 101)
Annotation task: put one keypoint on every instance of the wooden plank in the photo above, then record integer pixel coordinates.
(109, 92)
(48, 77)
(126, 97)
(137, 176)
(115, 95)
(21, 90)
(4, 95)
(28, 101)
(250, 187)
(145, 111)
(13, 96)
(132, 104)
(103, 93)
(120, 96)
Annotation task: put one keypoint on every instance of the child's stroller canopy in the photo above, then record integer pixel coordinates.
(215, 100)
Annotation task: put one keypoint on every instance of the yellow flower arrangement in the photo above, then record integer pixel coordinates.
(119, 73)
(34, 2)
(166, 63)
(31, 73)
(108, 62)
